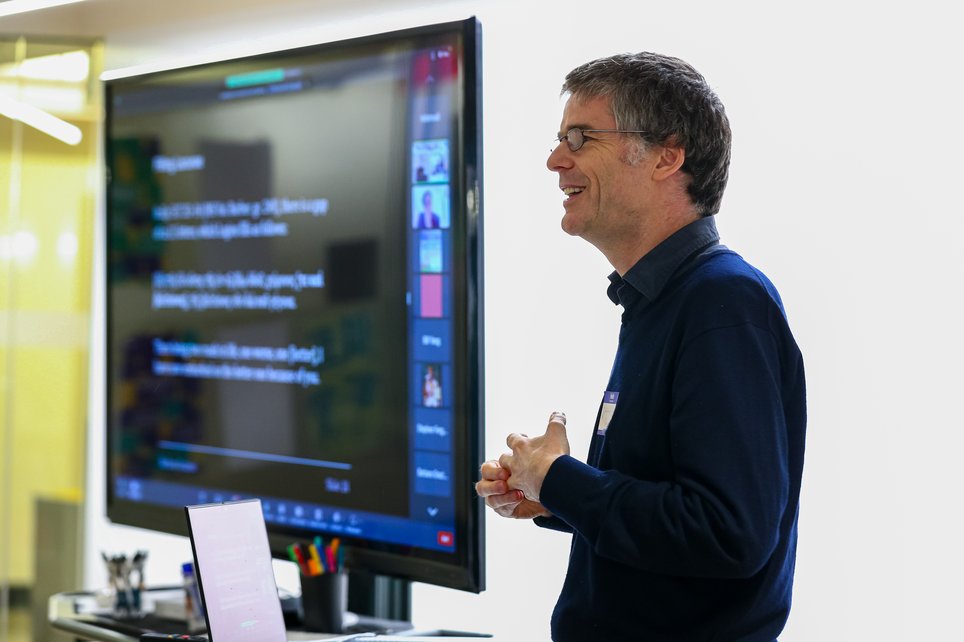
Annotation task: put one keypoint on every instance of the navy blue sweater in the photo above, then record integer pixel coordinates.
(684, 519)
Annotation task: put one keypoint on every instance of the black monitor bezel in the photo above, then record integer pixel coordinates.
(468, 572)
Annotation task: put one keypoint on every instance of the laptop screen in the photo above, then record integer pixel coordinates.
(232, 563)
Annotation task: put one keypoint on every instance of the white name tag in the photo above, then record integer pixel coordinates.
(606, 412)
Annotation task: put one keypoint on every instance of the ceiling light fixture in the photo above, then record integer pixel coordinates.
(39, 119)
(11, 7)
(67, 67)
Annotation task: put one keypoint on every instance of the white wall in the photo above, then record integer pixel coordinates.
(846, 160)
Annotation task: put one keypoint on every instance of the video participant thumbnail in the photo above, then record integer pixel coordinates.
(432, 340)
(432, 385)
(432, 303)
(430, 161)
(430, 207)
(430, 251)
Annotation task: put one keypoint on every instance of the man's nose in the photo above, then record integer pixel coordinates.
(560, 157)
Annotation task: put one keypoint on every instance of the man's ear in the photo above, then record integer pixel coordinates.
(669, 160)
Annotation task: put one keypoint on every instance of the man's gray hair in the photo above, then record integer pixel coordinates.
(668, 99)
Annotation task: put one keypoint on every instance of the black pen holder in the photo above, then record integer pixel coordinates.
(324, 600)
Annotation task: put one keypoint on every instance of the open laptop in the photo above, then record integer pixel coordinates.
(232, 563)
(239, 596)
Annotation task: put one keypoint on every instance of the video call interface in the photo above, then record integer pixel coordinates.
(280, 291)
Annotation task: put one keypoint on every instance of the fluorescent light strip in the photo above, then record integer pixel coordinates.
(11, 7)
(39, 119)
(71, 66)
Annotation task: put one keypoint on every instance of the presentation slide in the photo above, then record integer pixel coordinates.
(258, 313)
(282, 294)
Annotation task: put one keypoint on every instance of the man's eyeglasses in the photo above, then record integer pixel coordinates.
(576, 136)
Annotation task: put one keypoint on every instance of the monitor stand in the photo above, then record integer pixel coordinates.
(377, 604)
(380, 597)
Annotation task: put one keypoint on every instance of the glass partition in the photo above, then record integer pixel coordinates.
(50, 123)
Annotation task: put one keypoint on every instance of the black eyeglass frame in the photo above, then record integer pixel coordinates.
(580, 136)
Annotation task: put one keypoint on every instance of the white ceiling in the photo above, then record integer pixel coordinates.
(139, 32)
(102, 18)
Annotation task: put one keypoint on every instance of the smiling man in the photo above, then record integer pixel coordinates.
(684, 517)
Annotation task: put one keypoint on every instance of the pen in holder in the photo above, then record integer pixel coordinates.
(324, 584)
(126, 578)
(324, 600)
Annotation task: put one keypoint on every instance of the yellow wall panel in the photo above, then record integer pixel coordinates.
(53, 195)
(47, 196)
(48, 437)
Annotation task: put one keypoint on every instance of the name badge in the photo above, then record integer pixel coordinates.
(606, 412)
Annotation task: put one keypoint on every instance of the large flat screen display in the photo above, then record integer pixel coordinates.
(294, 297)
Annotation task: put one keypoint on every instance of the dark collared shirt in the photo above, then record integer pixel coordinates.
(684, 517)
(650, 274)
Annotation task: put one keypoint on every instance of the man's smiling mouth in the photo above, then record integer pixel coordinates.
(572, 191)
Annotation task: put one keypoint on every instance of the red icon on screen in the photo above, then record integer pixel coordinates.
(446, 538)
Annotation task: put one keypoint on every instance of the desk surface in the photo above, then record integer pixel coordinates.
(79, 614)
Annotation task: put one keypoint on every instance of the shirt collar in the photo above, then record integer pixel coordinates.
(651, 273)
